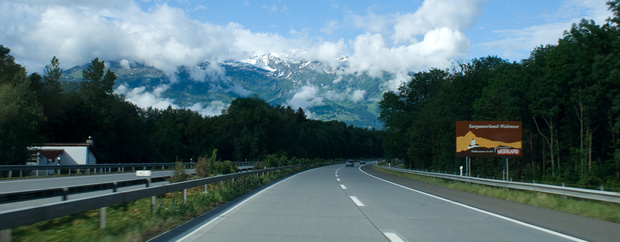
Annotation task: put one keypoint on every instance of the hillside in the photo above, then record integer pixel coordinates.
(322, 93)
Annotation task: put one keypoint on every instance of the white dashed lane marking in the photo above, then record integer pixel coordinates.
(343, 187)
(393, 237)
(356, 201)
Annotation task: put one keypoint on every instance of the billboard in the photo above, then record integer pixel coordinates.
(488, 138)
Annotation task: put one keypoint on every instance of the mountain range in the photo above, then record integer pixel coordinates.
(325, 93)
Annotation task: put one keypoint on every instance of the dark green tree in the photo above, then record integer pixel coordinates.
(20, 112)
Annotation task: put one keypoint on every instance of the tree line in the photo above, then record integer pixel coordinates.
(35, 109)
(567, 96)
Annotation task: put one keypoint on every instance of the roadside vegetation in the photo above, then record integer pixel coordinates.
(138, 220)
(567, 96)
(593, 209)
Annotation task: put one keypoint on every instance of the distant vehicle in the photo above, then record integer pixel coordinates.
(362, 162)
(350, 163)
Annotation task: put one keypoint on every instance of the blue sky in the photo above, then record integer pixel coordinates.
(396, 36)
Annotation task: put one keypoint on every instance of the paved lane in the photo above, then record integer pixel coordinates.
(309, 206)
(337, 203)
(418, 216)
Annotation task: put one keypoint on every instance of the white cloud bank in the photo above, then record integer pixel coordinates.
(144, 99)
(166, 37)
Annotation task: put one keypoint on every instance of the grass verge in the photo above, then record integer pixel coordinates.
(137, 221)
(593, 209)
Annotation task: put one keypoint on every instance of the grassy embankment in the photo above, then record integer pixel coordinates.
(134, 221)
(594, 209)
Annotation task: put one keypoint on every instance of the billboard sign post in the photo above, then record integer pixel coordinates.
(488, 139)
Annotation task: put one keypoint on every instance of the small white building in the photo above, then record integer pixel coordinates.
(62, 154)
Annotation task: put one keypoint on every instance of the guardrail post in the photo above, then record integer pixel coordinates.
(206, 188)
(5, 235)
(114, 186)
(153, 201)
(102, 217)
(65, 194)
(184, 196)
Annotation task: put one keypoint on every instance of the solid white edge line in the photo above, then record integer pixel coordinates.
(343, 187)
(480, 210)
(236, 206)
(356, 201)
(393, 237)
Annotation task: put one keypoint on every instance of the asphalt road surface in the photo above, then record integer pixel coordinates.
(337, 203)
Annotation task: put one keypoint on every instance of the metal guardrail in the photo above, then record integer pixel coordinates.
(65, 191)
(589, 194)
(24, 216)
(97, 168)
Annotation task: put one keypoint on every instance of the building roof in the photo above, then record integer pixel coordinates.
(51, 154)
(61, 144)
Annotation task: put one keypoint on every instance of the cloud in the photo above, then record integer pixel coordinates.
(213, 109)
(358, 95)
(270, 9)
(326, 52)
(330, 27)
(516, 44)
(163, 37)
(438, 48)
(307, 96)
(140, 97)
(354, 96)
(166, 38)
(373, 22)
(335, 96)
(432, 36)
(456, 15)
(125, 64)
(144, 99)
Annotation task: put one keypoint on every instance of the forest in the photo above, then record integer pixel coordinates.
(567, 96)
(35, 109)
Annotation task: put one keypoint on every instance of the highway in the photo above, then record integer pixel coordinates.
(337, 203)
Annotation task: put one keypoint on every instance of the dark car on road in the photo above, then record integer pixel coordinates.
(362, 162)
(349, 163)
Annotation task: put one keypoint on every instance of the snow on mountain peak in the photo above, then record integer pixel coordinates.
(277, 64)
